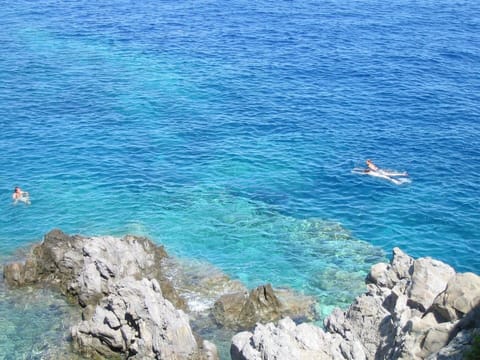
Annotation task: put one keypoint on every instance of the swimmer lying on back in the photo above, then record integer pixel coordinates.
(374, 168)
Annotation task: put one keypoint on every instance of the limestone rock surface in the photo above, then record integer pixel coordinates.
(413, 309)
(135, 319)
(242, 310)
(129, 307)
(85, 267)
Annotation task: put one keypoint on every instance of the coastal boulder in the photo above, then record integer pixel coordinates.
(136, 320)
(286, 340)
(413, 309)
(85, 267)
(459, 298)
(242, 310)
(129, 305)
(429, 278)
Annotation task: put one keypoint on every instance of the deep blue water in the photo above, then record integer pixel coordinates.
(227, 131)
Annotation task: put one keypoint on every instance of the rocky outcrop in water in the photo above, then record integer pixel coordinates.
(135, 306)
(127, 302)
(413, 309)
(136, 302)
(242, 310)
(85, 267)
(135, 319)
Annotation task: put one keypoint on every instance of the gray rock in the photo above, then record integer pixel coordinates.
(227, 309)
(209, 351)
(413, 309)
(242, 310)
(456, 347)
(429, 278)
(126, 299)
(401, 264)
(85, 267)
(136, 320)
(285, 341)
(460, 297)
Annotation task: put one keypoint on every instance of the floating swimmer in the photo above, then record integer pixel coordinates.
(374, 170)
(19, 195)
(372, 167)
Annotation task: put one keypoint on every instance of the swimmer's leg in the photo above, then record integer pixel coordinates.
(395, 181)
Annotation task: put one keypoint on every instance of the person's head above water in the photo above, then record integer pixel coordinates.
(371, 165)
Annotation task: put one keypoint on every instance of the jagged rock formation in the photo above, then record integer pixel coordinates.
(242, 310)
(85, 267)
(127, 312)
(136, 320)
(135, 299)
(413, 309)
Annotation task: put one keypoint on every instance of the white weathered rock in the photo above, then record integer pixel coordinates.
(126, 311)
(401, 264)
(429, 278)
(136, 319)
(209, 351)
(289, 341)
(461, 296)
(394, 319)
(379, 275)
(85, 267)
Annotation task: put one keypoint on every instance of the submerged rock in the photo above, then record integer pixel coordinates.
(413, 309)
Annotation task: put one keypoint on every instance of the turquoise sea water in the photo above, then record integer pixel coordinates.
(227, 131)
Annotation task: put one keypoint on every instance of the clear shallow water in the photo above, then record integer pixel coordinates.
(34, 324)
(228, 132)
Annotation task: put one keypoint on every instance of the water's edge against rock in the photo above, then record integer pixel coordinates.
(413, 309)
(127, 303)
(135, 306)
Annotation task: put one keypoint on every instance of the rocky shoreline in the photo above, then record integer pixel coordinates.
(413, 309)
(136, 305)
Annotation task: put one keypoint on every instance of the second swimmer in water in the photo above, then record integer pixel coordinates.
(19, 195)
